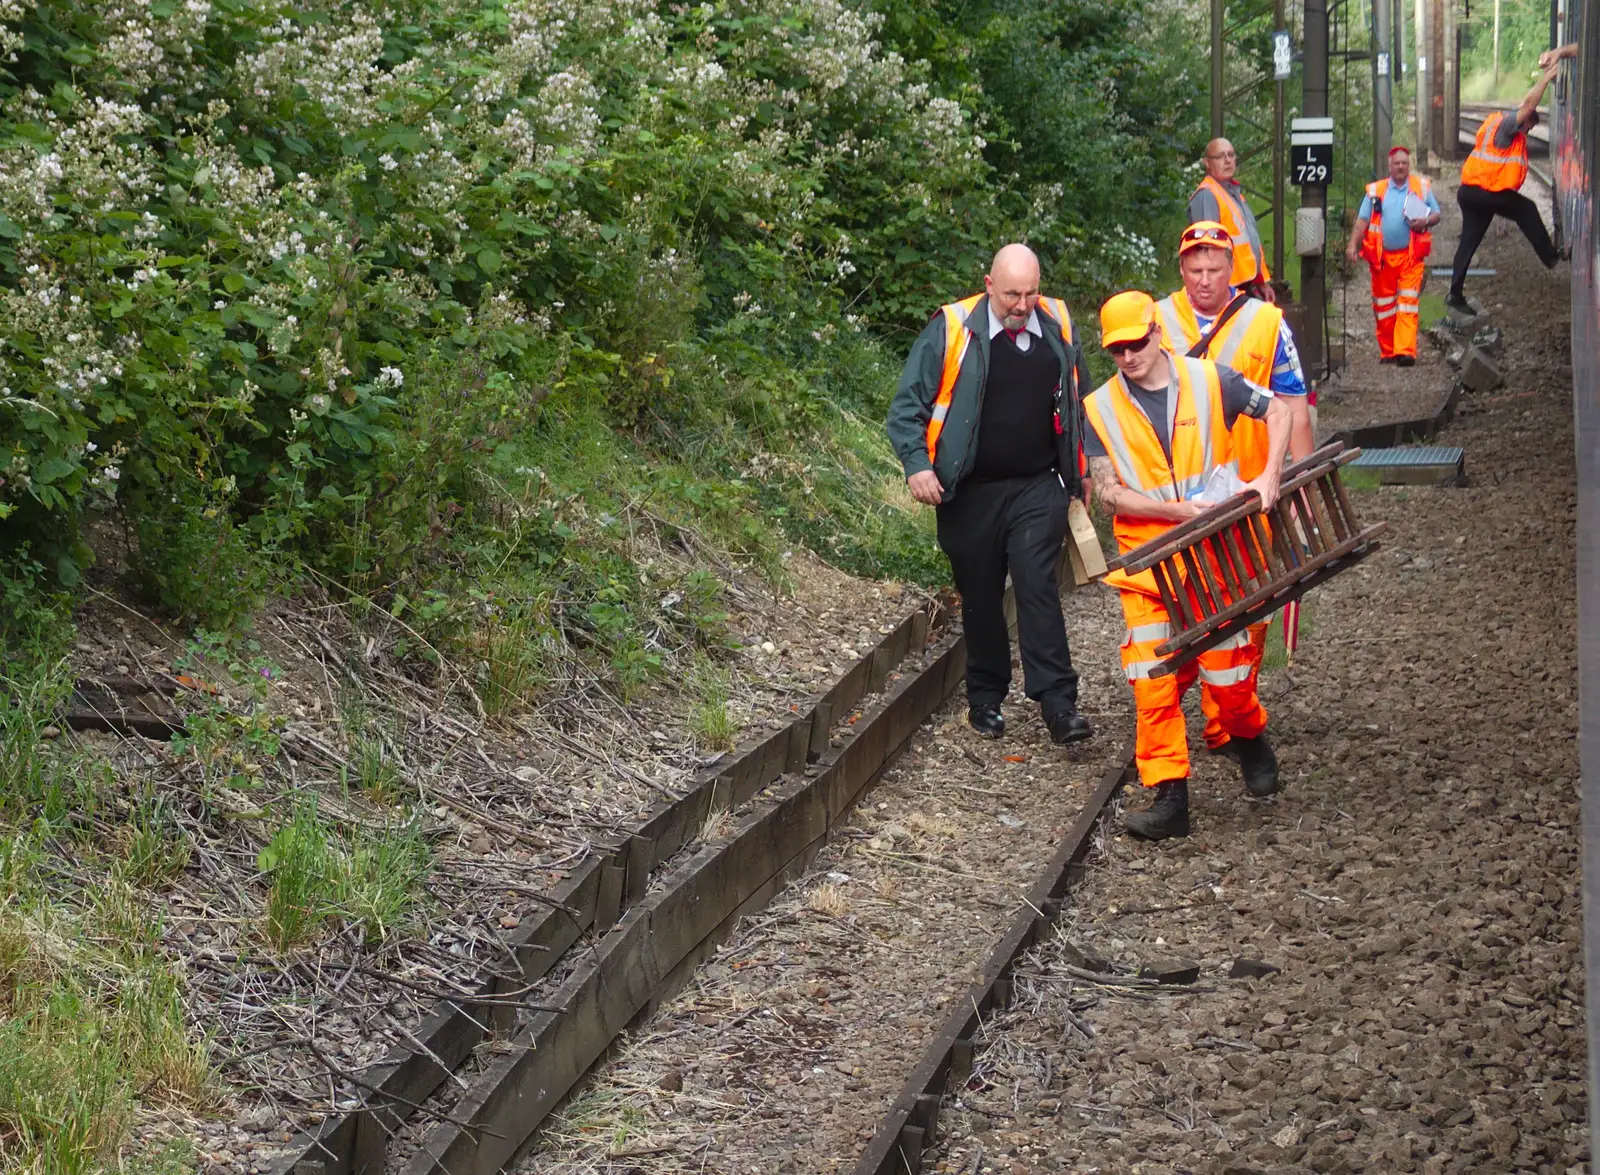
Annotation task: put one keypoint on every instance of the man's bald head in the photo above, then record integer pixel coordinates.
(1013, 285)
(1221, 161)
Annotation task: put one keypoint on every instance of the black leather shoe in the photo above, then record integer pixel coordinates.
(1258, 765)
(987, 720)
(1167, 816)
(1405, 360)
(1460, 306)
(1387, 359)
(1068, 726)
(1227, 751)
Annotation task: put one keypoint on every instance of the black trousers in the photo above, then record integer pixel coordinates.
(1478, 208)
(993, 527)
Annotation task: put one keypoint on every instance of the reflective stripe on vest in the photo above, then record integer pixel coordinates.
(1178, 322)
(1198, 443)
(1373, 244)
(957, 338)
(1248, 264)
(1487, 168)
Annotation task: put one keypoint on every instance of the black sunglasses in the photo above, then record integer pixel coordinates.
(1118, 349)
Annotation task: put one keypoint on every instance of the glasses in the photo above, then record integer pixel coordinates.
(1120, 349)
(1224, 155)
(1193, 235)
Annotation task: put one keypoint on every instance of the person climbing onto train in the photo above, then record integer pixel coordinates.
(1209, 319)
(1221, 198)
(1157, 432)
(1392, 233)
(987, 422)
(1491, 180)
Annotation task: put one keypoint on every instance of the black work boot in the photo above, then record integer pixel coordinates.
(1167, 816)
(1258, 765)
(1226, 750)
(986, 719)
(1068, 726)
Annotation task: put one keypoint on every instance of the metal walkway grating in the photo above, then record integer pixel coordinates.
(1419, 465)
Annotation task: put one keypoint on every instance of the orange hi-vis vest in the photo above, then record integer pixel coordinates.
(1488, 168)
(1200, 443)
(1248, 344)
(1248, 263)
(1372, 244)
(956, 340)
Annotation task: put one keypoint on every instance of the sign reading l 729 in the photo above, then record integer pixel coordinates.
(1311, 165)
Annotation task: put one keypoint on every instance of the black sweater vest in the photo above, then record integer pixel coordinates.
(1016, 429)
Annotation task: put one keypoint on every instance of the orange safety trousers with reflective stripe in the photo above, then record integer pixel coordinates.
(1227, 676)
(1396, 300)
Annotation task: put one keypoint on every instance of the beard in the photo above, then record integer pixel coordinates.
(1014, 321)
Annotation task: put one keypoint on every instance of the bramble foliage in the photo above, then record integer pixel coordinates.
(301, 268)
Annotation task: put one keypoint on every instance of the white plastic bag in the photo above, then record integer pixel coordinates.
(1223, 484)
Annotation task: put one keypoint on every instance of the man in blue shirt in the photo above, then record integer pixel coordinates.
(1392, 233)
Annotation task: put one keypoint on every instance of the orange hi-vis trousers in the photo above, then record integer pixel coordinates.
(1396, 295)
(1215, 735)
(1227, 673)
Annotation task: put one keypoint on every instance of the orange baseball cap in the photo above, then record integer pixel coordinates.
(1204, 234)
(1126, 317)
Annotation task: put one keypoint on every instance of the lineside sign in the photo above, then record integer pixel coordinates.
(1311, 152)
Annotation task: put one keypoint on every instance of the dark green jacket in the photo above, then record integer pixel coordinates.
(912, 406)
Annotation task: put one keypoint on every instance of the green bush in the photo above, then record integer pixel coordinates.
(282, 278)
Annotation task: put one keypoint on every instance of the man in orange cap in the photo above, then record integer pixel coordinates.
(1210, 319)
(1391, 232)
(1157, 431)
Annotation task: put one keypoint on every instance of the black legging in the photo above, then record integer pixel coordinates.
(1480, 206)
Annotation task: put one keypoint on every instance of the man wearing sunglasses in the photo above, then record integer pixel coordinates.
(1392, 233)
(1157, 431)
(987, 423)
(1221, 198)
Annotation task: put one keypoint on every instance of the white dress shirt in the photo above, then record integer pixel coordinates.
(1031, 327)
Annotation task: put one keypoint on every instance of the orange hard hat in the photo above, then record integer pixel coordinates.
(1204, 234)
(1126, 317)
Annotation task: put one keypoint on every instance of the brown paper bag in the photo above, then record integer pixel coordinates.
(1083, 545)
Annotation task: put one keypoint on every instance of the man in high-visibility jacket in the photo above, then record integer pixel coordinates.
(1220, 198)
(1490, 179)
(1392, 233)
(987, 424)
(1156, 432)
(1209, 319)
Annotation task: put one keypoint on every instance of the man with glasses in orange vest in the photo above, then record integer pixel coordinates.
(1392, 233)
(1157, 431)
(1490, 179)
(987, 423)
(1220, 198)
(1208, 319)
